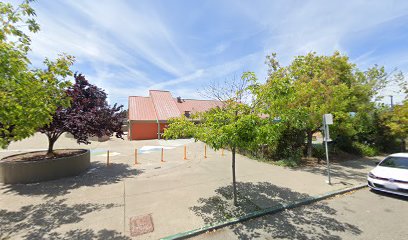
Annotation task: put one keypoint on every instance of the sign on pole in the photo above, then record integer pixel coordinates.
(328, 119)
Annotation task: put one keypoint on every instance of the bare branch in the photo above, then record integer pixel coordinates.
(233, 88)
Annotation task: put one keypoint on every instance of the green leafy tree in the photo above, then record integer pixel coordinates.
(234, 126)
(28, 96)
(313, 85)
(397, 122)
(365, 128)
(181, 127)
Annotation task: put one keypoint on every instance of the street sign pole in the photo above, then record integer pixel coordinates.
(327, 120)
(327, 154)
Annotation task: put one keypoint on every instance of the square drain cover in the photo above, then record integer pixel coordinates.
(140, 225)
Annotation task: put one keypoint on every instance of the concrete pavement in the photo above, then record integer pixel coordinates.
(359, 215)
(179, 194)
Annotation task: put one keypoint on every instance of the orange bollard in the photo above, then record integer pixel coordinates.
(205, 151)
(162, 155)
(185, 152)
(107, 158)
(135, 156)
(222, 152)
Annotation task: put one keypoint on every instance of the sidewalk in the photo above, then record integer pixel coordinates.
(200, 192)
(178, 194)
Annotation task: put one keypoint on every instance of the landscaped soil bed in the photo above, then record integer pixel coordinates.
(36, 166)
(41, 155)
(339, 157)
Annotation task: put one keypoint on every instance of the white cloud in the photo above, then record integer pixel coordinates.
(130, 47)
(204, 76)
(140, 30)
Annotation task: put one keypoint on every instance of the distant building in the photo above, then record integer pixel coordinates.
(148, 115)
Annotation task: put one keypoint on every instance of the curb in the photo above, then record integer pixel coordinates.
(266, 211)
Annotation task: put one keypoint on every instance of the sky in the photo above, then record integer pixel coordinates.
(129, 47)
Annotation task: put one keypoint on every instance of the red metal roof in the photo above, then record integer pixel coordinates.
(141, 109)
(162, 106)
(194, 106)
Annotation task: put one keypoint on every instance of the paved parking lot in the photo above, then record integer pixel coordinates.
(359, 215)
(178, 194)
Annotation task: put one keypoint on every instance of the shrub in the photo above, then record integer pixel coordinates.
(289, 149)
(181, 127)
(319, 152)
(291, 160)
(364, 149)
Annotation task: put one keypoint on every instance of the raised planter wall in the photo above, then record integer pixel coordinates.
(12, 172)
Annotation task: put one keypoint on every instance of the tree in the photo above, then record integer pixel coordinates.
(28, 96)
(88, 115)
(233, 126)
(397, 122)
(313, 85)
(363, 130)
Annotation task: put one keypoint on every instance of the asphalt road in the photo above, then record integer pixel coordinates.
(358, 215)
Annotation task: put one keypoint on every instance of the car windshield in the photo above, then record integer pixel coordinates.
(395, 162)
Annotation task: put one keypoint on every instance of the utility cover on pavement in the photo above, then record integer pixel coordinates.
(140, 225)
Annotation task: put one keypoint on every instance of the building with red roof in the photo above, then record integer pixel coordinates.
(148, 115)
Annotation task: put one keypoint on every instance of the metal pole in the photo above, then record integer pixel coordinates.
(158, 129)
(392, 102)
(205, 151)
(185, 152)
(107, 158)
(162, 155)
(327, 151)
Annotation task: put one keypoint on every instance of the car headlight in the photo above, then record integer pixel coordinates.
(371, 175)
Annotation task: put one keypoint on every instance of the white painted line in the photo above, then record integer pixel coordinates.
(150, 149)
(111, 154)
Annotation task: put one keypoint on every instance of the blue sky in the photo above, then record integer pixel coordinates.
(129, 47)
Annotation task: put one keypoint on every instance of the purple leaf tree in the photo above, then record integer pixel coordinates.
(89, 115)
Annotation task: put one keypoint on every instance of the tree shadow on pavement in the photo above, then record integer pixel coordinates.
(353, 169)
(316, 221)
(99, 174)
(39, 221)
(89, 234)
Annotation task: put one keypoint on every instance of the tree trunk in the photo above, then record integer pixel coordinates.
(403, 145)
(309, 144)
(52, 138)
(234, 184)
(51, 142)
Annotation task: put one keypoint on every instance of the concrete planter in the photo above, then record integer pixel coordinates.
(12, 172)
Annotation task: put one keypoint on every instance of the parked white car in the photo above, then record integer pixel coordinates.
(391, 175)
